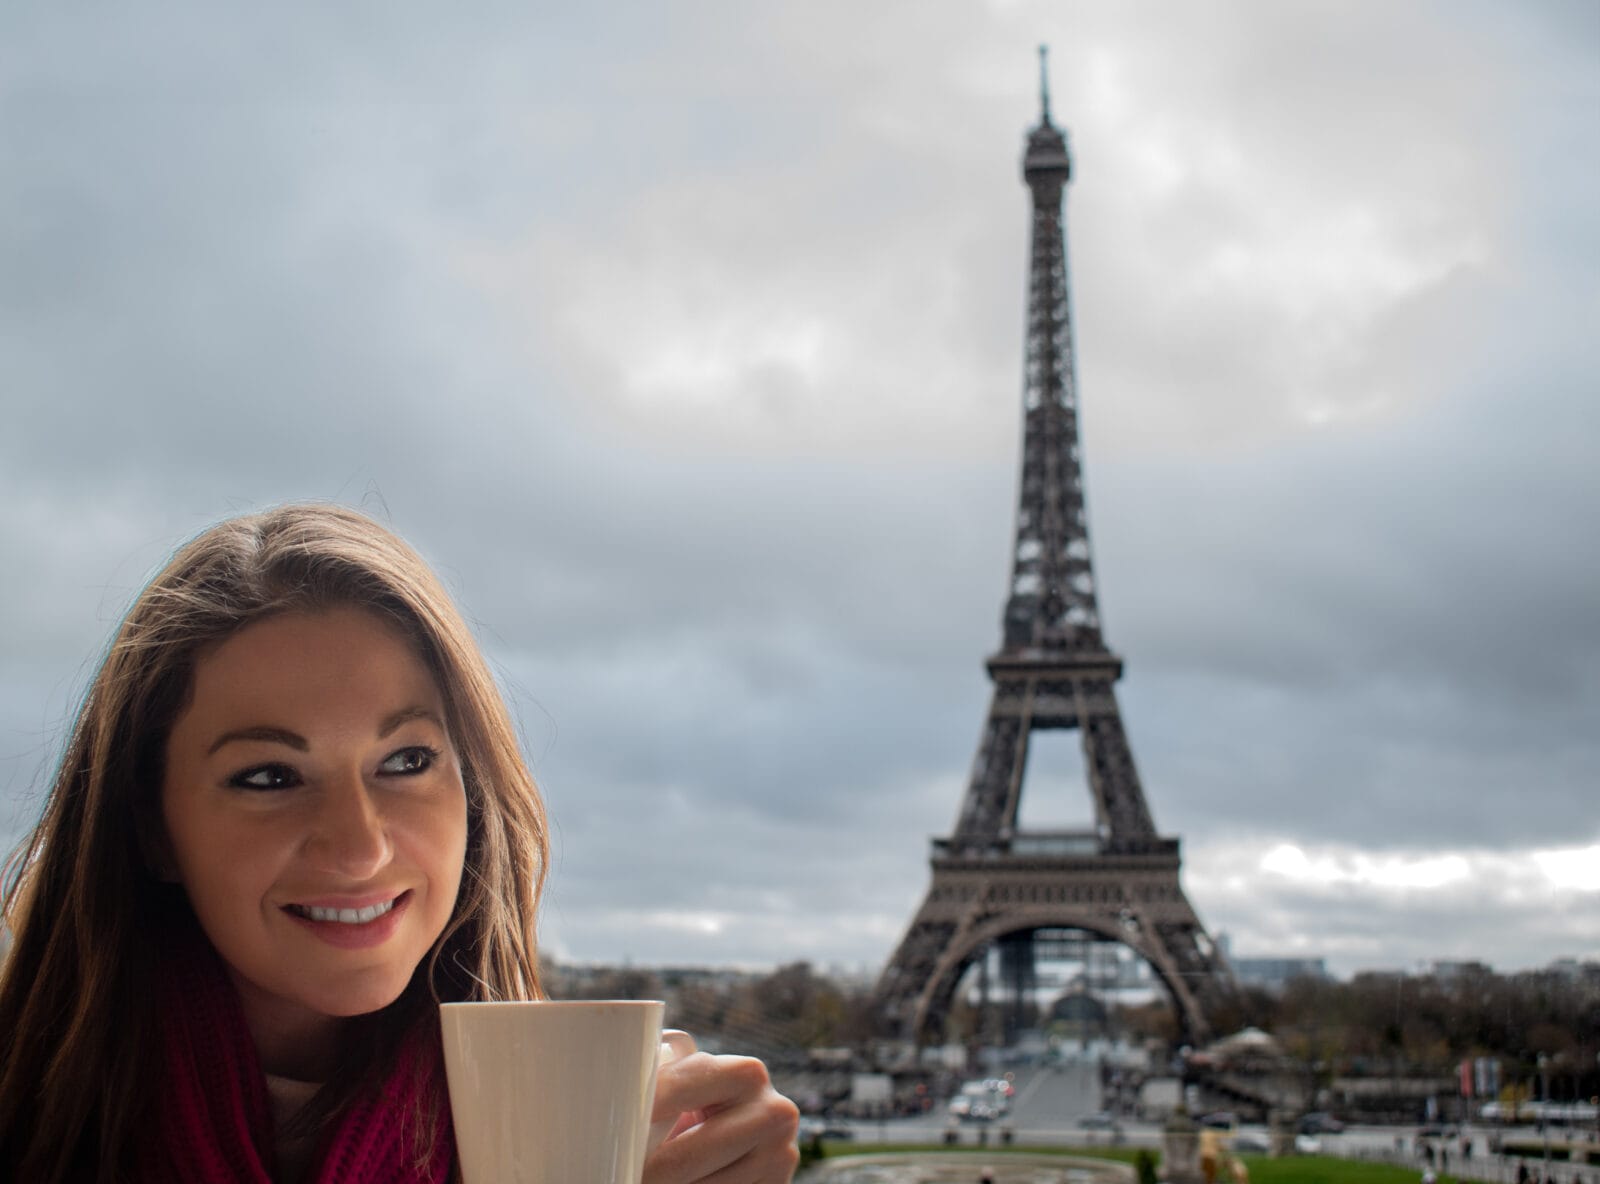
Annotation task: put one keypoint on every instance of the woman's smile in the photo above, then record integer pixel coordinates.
(348, 914)
(352, 928)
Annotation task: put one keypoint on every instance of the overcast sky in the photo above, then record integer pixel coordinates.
(686, 341)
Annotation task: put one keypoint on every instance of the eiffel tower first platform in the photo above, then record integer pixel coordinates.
(997, 885)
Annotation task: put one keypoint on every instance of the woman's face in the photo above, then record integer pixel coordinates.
(314, 806)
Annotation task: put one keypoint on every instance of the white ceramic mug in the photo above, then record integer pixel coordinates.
(554, 1092)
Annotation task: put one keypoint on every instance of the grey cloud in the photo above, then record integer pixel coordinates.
(1402, 929)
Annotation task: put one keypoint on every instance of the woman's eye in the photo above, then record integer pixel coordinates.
(417, 759)
(265, 777)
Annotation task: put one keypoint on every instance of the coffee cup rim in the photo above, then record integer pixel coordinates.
(572, 1003)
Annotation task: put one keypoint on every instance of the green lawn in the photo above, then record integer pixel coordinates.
(1325, 1169)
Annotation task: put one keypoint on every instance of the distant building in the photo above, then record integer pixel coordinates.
(1450, 971)
(1575, 971)
(1274, 974)
(1277, 973)
(575, 979)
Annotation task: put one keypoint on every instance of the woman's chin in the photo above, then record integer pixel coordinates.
(363, 1003)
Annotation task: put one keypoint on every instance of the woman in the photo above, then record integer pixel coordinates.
(291, 820)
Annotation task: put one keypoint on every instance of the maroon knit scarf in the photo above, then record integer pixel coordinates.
(213, 1124)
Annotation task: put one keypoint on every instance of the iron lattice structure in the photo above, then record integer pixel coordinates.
(994, 884)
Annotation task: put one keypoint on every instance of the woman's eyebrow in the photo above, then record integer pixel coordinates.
(262, 732)
(298, 742)
(406, 715)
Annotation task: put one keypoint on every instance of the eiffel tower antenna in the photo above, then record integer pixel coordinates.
(1044, 84)
(995, 883)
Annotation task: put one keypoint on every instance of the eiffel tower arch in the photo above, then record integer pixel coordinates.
(994, 882)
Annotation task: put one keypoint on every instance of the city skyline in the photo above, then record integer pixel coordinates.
(689, 350)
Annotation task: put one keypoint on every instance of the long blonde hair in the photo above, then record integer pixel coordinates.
(84, 904)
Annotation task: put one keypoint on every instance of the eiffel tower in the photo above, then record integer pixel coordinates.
(993, 883)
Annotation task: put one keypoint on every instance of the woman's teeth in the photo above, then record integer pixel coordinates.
(344, 916)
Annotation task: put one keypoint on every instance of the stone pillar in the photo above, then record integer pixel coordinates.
(1281, 1132)
(1180, 1149)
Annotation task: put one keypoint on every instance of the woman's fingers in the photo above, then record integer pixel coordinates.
(665, 1121)
(704, 1082)
(756, 1168)
(736, 1128)
(676, 1044)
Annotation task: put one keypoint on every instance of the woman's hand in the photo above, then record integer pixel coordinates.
(731, 1126)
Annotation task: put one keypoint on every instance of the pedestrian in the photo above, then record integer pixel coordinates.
(290, 820)
(1210, 1155)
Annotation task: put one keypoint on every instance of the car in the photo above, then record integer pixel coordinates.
(1222, 1120)
(818, 1128)
(1319, 1122)
(968, 1108)
(1102, 1120)
(1000, 1087)
(1252, 1141)
(982, 1101)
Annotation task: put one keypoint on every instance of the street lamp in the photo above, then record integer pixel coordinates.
(1595, 1102)
(1544, 1109)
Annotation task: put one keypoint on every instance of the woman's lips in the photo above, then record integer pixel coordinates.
(352, 935)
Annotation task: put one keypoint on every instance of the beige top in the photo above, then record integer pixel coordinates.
(286, 1097)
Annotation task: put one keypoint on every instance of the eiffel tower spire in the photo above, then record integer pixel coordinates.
(1044, 84)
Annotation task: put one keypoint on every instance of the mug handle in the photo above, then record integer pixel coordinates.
(675, 1045)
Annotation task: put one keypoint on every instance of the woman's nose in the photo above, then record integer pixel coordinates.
(350, 836)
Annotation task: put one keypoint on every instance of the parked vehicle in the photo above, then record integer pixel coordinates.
(968, 1108)
(983, 1101)
(1103, 1120)
(1222, 1120)
(1319, 1122)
